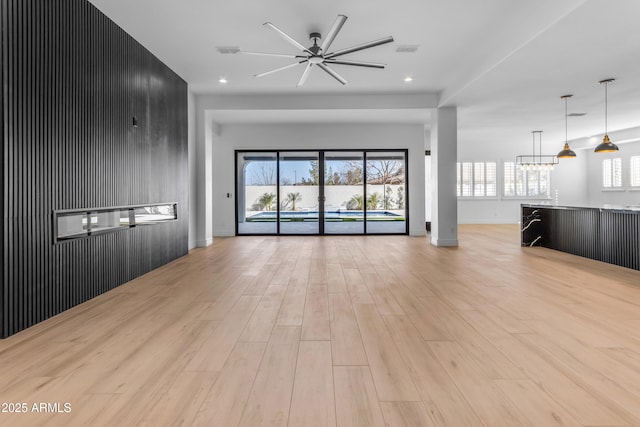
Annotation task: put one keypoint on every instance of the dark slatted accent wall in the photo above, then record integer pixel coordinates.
(3, 183)
(72, 81)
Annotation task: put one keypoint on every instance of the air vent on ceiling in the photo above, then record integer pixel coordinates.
(576, 114)
(407, 48)
(228, 50)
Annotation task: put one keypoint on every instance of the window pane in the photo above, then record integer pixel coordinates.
(617, 172)
(467, 170)
(300, 192)
(532, 183)
(490, 179)
(606, 173)
(257, 189)
(635, 171)
(344, 192)
(521, 179)
(478, 179)
(543, 177)
(509, 179)
(385, 187)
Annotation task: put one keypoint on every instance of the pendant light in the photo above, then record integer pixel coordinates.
(537, 161)
(566, 153)
(606, 146)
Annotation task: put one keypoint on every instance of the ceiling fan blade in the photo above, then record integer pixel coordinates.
(333, 32)
(332, 73)
(306, 73)
(287, 37)
(356, 63)
(281, 55)
(279, 69)
(388, 39)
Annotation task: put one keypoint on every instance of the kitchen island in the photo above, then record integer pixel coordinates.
(609, 234)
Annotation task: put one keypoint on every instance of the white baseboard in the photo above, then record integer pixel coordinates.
(204, 243)
(444, 242)
(488, 221)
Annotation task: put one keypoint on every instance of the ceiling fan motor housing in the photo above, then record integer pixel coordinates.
(315, 49)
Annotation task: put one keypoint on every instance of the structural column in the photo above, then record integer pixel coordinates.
(204, 180)
(444, 151)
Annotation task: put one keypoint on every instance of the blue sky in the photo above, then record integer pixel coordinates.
(290, 170)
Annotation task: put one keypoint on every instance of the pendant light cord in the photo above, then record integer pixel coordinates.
(533, 144)
(566, 121)
(606, 84)
(540, 147)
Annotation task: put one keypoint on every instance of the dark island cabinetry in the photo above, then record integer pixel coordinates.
(609, 234)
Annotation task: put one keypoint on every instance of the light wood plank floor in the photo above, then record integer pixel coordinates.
(343, 331)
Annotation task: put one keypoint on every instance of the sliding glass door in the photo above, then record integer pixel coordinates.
(321, 192)
(257, 189)
(386, 192)
(343, 192)
(299, 192)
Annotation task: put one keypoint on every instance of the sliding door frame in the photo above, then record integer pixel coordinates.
(321, 184)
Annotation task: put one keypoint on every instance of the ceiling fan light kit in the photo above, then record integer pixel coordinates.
(319, 55)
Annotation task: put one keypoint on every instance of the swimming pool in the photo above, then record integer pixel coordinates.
(312, 216)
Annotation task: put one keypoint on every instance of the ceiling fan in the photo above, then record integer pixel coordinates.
(317, 56)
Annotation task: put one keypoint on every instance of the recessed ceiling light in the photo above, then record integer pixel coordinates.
(222, 80)
(408, 79)
(228, 50)
(407, 48)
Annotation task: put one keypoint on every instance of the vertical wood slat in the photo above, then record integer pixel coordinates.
(3, 118)
(71, 82)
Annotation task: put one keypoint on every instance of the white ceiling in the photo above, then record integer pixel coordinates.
(503, 63)
(379, 115)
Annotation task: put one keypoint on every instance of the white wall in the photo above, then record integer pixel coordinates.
(568, 181)
(231, 137)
